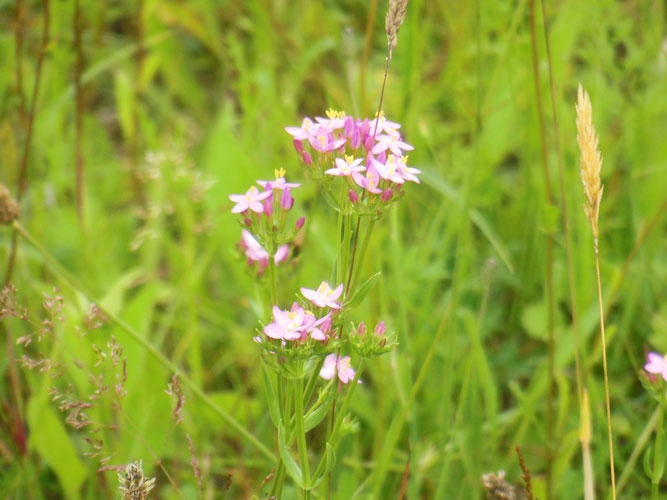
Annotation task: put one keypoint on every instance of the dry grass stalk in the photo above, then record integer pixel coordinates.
(585, 439)
(591, 163)
(591, 159)
(393, 21)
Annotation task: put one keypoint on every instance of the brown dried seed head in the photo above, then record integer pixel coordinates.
(133, 484)
(591, 160)
(497, 487)
(9, 208)
(393, 21)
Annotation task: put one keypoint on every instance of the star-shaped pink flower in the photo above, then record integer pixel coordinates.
(324, 296)
(251, 200)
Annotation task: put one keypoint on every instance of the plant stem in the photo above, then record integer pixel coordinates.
(606, 380)
(333, 438)
(301, 433)
(152, 350)
(273, 280)
(640, 444)
(658, 459)
(78, 70)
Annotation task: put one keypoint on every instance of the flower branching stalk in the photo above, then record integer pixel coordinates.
(591, 164)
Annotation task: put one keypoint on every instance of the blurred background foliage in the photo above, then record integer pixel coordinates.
(183, 103)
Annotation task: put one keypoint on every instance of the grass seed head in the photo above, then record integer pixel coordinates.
(591, 159)
(393, 21)
(133, 484)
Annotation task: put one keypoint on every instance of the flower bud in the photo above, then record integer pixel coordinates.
(298, 145)
(380, 329)
(364, 127)
(326, 325)
(286, 201)
(362, 329)
(268, 206)
(354, 198)
(369, 142)
(355, 141)
(307, 159)
(387, 194)
(300, 223)
(348, 127)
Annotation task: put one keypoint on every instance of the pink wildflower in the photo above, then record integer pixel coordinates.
(342, 366)
(354, 198)
(384, 125)
(324, 296)
(370, 182)
(287, 325)
(346, 166)
(302, 132)
(380, 329)
(280, 182)
(656, 364)
(408, 173)
(389, 170)
(324, 142)
(392, 142)
(251, 200)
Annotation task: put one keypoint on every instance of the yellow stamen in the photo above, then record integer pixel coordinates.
(279, 173)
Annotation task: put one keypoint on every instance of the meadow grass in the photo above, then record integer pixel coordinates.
(136, 141)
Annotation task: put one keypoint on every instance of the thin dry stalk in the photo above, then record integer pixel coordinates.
(23, 170)
(591, 164)
(585, 439)
(18, 49)
(78, 70)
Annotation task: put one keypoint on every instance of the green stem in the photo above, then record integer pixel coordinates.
(301, 433)
(362, 254)
(313, 380)
(658, 461)
(640, 444)
(272, 279)
(152, 350)
(333, 439)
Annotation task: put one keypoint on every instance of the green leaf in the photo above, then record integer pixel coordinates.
(271, 397)
(315, 417)
(49, 438)
(291, 466)
(431, 178)
(330, 457)
(361, 292)
(647, 462)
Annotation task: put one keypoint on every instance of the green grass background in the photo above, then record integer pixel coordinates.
(168, 136)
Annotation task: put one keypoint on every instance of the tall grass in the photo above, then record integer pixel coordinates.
(184, 103)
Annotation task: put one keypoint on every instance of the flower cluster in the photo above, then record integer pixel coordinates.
(368, 154)
(300, 324)
(264, 215)
(369, 344)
